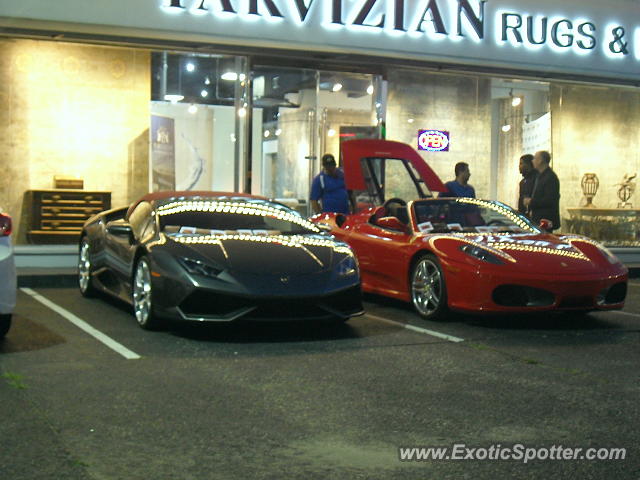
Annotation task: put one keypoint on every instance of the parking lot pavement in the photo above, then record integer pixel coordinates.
(314, 400)
(581, 344)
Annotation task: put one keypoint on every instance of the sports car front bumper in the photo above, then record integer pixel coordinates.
(504, 291)
(256, 296)
(206, 305)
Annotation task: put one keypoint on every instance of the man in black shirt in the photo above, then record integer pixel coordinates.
(529, 175)
(545, 198)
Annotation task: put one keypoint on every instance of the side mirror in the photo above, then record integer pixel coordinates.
(545, 224)
(392, 223)
(120, 229)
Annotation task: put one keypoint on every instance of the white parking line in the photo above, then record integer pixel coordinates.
(632, 284)
(433, 333)
(625, 313)
(81, 324)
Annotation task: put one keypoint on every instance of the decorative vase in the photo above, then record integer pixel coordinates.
(590, 186)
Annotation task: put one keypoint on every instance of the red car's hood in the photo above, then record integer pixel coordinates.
(545, 253)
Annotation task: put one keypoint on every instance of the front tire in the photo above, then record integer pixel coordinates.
(5, 324)
(143, 296)
(428, 288)
(85, 269)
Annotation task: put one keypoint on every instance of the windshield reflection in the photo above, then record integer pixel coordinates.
(211, 217)
(469, 215)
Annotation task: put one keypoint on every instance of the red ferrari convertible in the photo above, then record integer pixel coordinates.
(463, 254)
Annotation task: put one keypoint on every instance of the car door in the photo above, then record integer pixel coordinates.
(122, 238)
(382, 254)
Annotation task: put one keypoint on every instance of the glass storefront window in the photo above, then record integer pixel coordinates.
(198, 121)
(76, 112)
(285, 141)
(85, 113)
(521, 124)
(596, 157)
(491, 122)
(305, 114)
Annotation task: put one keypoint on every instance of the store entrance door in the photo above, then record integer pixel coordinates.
(301, 114)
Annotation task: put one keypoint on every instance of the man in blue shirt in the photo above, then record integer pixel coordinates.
(459, 187)
(328, 190)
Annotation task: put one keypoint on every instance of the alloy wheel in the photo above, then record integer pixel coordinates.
(84, 268)
(142, 293)
(427, 287)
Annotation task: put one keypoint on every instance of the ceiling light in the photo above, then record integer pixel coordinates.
(207, 81)
(190, 67)
(410, 120)
(515, 101)
(506, 128)
(204, 93)
(242, 112)
(229, 76)
(267, 133)
(278, 132)
(370, 89)
(337, 87)
(173, 98)
(192, 109)
(331, 132)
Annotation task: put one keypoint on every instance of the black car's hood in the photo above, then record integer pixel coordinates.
(269, 254)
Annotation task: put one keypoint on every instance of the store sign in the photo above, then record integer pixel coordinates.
(411, 18)
(433, 140)
(543, 36)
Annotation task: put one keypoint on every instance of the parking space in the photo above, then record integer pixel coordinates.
(316, 400)
(115, 320)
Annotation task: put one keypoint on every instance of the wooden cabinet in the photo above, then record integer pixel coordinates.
(57, 216)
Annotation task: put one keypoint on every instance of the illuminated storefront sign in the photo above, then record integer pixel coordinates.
(411, 18)
(580, 38)
(433, 140)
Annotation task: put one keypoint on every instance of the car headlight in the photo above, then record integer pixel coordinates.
(481, 254)
(199, 268)
(348, 266)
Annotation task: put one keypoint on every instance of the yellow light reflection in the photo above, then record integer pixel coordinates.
(507, 212)
(216, 206)
(295, 241)
(531, 248)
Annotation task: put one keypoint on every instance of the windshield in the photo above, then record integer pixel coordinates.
(231, 216)
(469, 215)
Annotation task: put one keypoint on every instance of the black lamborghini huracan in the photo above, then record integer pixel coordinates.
(219, 257)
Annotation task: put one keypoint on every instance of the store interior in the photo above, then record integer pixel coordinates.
(125, 121)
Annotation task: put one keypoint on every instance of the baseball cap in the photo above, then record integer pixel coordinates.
(328, 159)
